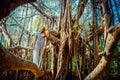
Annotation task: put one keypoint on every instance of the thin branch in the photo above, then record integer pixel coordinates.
(18, 48)
(111, 43)
(46, 14)
(20, 26)
(80, 10)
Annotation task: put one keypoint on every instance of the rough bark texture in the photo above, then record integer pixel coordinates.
(67, 39)
(95, 39)
(9, 61)
(110, 45)
(6, 6)
(54, 62)
(106, 18)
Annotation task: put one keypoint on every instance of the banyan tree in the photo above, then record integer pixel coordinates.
(66, 42)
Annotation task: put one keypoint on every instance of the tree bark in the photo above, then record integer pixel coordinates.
(9, 61)
(95, 38)
(110, 45)
(54, 61)
(6, 6)
(66, 49)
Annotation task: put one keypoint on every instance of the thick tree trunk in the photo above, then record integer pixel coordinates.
(6, 6)
(110, 45)
(66, 50)
(9, 61)
(66, 43)
(106, 18)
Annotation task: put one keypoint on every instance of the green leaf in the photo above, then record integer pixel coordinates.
(101, 48)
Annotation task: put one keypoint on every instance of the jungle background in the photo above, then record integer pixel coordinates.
(82, 27)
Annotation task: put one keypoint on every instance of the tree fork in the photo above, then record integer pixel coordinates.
(9, 61)
(110, 45)
(66, 50)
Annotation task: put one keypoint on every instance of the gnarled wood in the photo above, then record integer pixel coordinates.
(111, 42)
(18, 48)
(6, 6)
(9, 61)
(66, 48)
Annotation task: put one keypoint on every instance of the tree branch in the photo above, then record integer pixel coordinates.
(20, 26)
(80, 10)
(6, 6)
(110, 46)
(18, 48)
(9, 61)
(97, 32)
(46, 14)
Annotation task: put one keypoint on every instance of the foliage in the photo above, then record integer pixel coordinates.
(113, 66)
(3, 41)
(118, 47)
(101, 48)
(30, 19)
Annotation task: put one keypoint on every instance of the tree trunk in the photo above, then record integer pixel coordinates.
(66, 43)
(95, 39)
(110, 45)
(66, 49)
(84, 66)
(106, 17)
(9, 61)
(6, 6)
(54, 61)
